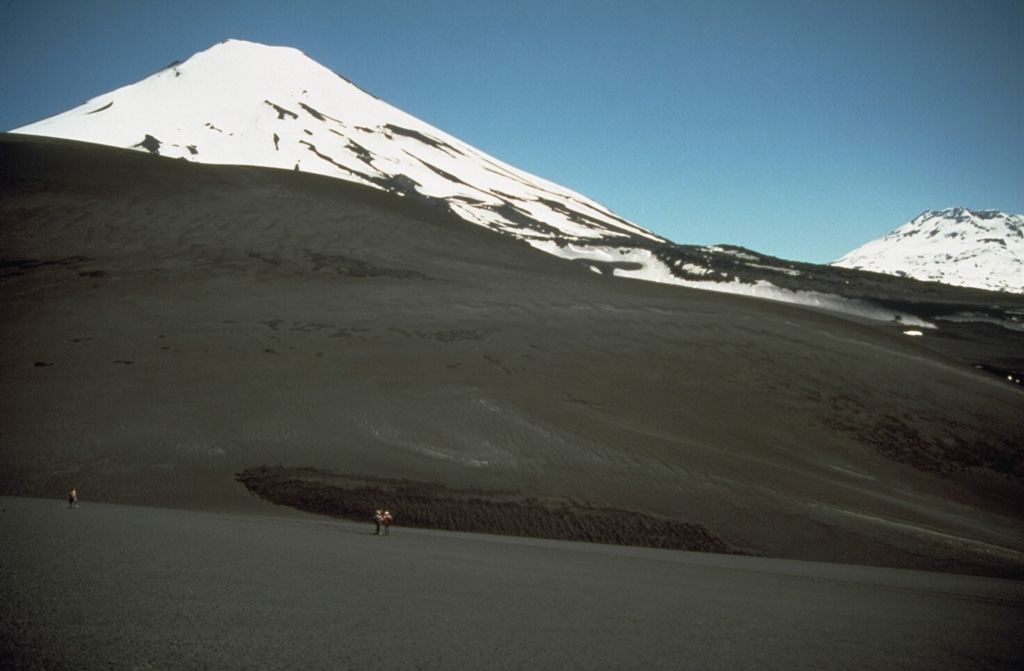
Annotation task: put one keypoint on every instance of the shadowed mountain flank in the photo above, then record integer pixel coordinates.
(284, 318)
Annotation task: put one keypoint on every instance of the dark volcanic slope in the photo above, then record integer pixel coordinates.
(168, 325)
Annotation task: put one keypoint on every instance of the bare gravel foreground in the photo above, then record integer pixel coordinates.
(112, 586)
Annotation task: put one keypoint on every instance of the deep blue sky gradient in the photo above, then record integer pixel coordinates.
(796, 128)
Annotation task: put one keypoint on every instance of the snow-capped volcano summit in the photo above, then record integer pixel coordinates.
(981, 249)
(250, 104)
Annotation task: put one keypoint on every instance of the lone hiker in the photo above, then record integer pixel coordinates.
(387, 520)
(73, 498)
(378, 517)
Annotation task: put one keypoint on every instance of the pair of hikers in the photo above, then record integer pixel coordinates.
(385, 519)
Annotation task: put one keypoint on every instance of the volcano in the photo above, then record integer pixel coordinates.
(250, 104)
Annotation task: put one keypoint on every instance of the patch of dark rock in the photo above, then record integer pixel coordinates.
(93, 273)
(330, 160)
(579, 217)
(403, 185)
(42, 364)
(507, 196)
(400, 184)
(170, 66)
(522, 219)
(277, 141)
(192, 149)
(124, 362)
(312, 112)
(435, 506)
(150, 144)
(361, 152)
(282, 112)
(316, 114)
(416, 135)
(100, 109)
(447, 175)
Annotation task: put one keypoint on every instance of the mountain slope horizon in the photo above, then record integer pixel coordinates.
(170, 325)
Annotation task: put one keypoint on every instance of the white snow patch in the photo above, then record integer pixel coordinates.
(652, 269)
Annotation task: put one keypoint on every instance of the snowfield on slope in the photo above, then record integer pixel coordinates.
(982, 249)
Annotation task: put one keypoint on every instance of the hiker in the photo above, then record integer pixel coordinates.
(378, 517)
(387, 520)
(73, 498)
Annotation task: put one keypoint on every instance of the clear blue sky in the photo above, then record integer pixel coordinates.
(801, 129)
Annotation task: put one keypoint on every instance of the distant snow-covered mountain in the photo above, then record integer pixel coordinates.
(955, 246)
(250, 104)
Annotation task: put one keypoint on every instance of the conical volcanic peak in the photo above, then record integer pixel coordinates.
(981, 249)
(250, 104)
